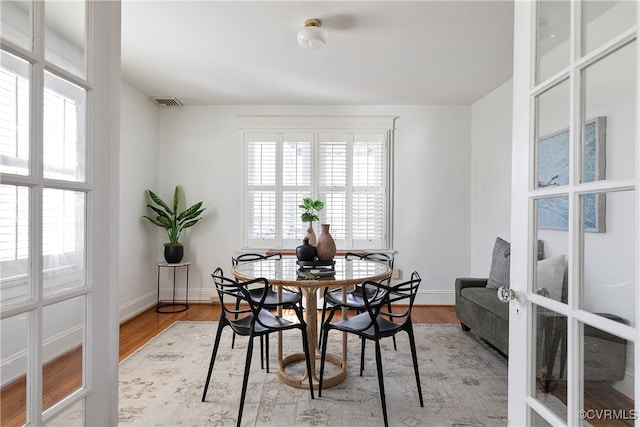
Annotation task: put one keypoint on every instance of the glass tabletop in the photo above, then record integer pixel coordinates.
(287, 271)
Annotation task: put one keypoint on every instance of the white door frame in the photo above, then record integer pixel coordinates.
(521, 314)
(103, 332)
(520, 355)
(99, 390)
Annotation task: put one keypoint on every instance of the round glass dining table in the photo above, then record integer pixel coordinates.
(287, 273)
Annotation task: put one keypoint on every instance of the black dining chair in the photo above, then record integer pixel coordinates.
(354, 299)
(254, 321)
(374, 324)
(288, 299)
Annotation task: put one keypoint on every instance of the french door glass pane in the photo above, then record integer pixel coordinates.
(63, 341)
(65, 36)
(17, 23)
(610, 102)
(74, 415)
(14, 335)
(63, 240)
(604, 20)
(14, 115)
(607, 376)
(14, 244)
(552, 37)
(538, 421)
(608, 276)
(64, 129)
(552, 149)
(550, 275)
(550, 334)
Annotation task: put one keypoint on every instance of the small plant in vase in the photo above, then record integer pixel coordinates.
(311, 208)
(173, 222)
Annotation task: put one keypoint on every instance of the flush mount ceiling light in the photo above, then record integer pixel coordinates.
(311, 36)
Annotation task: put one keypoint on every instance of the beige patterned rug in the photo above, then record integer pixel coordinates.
(464, 383)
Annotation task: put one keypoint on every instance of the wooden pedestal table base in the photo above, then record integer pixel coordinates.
(284, 273)
(310, 292)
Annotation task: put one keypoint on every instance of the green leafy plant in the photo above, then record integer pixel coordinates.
(170, 219)
(311, 208)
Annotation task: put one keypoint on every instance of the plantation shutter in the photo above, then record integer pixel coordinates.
(348, 170)
(297, 169)
(332, 184)
(261, 187)
(369, 176)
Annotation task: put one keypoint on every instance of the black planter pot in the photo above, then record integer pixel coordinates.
(306, 252)
(173, 253)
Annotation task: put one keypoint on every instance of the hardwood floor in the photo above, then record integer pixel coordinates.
(64, 375)
(135, 332)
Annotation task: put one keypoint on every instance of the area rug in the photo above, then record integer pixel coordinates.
(464, 383)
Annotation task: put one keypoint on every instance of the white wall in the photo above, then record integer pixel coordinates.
(199, 148)
(490, 175)
(449, 204)
(139, 239)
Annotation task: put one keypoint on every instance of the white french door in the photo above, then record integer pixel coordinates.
(59, 133)
(576, 161)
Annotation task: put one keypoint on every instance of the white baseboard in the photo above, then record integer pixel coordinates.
(625, 386)
(435, 297)
(137, 306)
(426, 297)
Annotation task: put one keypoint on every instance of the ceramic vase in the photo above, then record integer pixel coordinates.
(306, 252)
(325, 245)
(311, 235)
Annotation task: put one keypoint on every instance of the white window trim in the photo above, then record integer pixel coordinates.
(344, 124)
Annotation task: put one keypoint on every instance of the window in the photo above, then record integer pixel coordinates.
(345, 162)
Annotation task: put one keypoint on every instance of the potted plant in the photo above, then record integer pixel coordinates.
(173, 222)
(311, 208)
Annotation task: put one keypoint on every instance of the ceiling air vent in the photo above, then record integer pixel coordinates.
(166, 101)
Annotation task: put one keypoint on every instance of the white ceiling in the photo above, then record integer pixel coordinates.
(377, 52)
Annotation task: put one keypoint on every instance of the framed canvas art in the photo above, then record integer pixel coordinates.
(553, 170)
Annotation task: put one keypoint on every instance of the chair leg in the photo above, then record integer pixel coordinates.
(261, 352)
(323, 354)
(381, 383)
(412, 343)
(235, 316)
(324, 308)
(362, 345)
(266, 351)
(307, 357)
(245, 380)
(221, 325)
(395, 347)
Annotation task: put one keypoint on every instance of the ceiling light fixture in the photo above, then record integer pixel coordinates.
(311, 36)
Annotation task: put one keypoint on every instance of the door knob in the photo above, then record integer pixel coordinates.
(505, 294)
